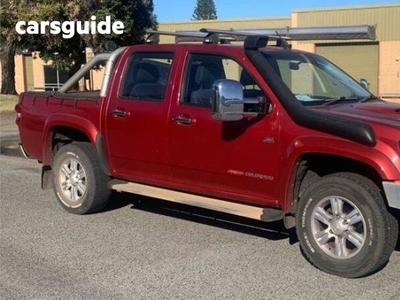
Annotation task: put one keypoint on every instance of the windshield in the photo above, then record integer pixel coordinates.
(313, 79)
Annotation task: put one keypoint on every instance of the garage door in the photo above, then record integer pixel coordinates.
(29, 84)
(360, 60)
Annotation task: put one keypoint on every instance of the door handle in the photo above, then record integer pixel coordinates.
(118, 112)
(184, 120)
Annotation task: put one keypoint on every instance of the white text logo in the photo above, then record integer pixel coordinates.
(69, 28)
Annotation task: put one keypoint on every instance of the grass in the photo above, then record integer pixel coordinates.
(7, 103)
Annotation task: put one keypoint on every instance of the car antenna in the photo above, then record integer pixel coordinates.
(281, 42)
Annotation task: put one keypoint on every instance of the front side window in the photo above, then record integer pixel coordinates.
(203, 70)
(146, 76)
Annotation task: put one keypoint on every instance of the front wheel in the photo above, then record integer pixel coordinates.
(79, 182)
(343, 226)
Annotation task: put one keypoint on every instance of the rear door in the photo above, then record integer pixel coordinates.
(238, 160)
(137, 117)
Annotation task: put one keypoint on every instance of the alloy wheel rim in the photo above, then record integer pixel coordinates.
(338, 227)
(72, 182)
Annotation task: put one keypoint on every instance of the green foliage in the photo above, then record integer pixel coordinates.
(7, 19)
(205, 10)
(10, 12)
(137, 16)
(65, 54)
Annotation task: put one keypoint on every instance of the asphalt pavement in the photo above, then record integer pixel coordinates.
(9, 137)
(142, 248)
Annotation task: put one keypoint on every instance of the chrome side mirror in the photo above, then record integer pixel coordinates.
(227, 100)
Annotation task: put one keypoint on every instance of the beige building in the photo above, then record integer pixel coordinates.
(376, 61)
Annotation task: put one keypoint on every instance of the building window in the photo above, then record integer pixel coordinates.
(53, 78)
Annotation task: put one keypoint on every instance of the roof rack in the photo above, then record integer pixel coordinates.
(242, 35)
(189, 36)
(280, 35)
(216, 36)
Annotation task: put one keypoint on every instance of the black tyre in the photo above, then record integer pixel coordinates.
(344, 227)
(79, 182)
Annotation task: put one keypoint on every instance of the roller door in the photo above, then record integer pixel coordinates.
(360, 60)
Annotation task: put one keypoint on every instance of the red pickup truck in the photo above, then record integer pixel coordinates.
(259, 131)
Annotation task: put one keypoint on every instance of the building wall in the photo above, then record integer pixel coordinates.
(96, 79)
(386, 17)
(19, 73)
(389, 68)
(38, 72)
(30, 76)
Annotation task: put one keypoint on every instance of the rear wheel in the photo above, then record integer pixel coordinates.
(79, 182)
(344, 227)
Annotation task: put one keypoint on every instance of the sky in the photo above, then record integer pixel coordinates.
(182, 10)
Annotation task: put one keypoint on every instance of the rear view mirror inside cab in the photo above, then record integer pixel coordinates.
(294, 65)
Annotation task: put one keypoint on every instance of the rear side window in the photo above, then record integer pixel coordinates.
(146, 76)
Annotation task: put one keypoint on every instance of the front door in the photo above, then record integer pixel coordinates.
(237, 160)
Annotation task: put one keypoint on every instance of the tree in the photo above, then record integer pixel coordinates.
(8, 45)
(69, 54)
(205, 10)
(65, 54)
(11, 11)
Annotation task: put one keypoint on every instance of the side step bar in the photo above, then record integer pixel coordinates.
(247, 211)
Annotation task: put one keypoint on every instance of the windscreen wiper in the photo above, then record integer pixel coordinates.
(370, 98)
(338, 100)
(357, 99)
